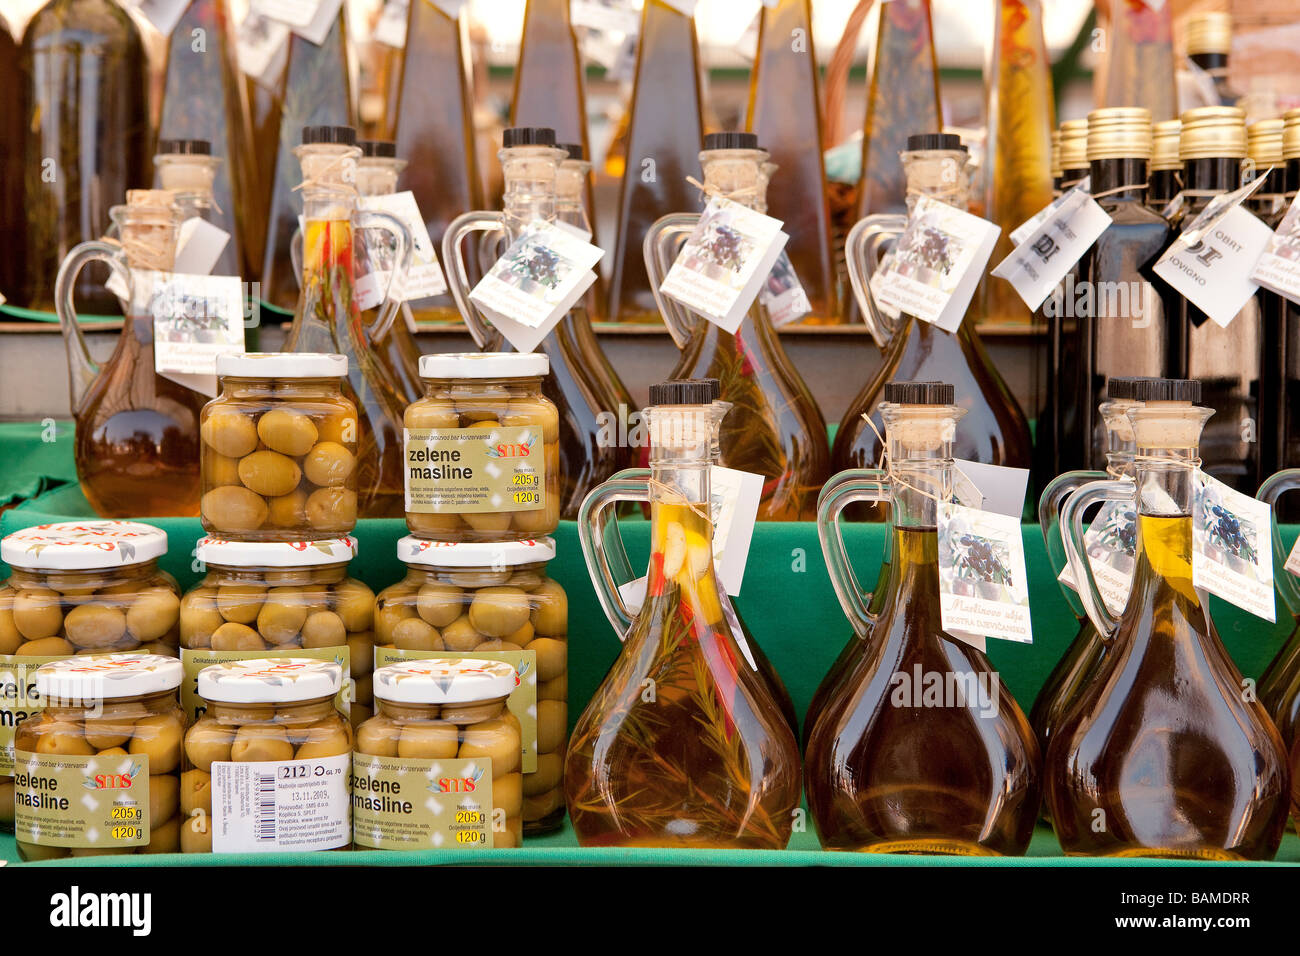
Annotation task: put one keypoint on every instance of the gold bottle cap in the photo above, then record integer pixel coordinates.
(1209, 32)
(1074, 144)
(1119, 132)
(1164, 145)
(1291, 134)
(1264, 143)
(1056, 154)
(1213, 132)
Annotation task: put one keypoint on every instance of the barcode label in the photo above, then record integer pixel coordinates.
(269, 807)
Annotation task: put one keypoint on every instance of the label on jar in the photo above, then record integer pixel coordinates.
(99, 802)
(522, 703)
(193, 661)
(264, 806)
(18, 701)
(468, 470)
(404, 803)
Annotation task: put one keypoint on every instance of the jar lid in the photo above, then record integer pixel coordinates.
(270, 680)
(95, 677)
(282, 365)
(442, 680)
(484, 365)
(83, 545)
(276, 554)
(473, 554)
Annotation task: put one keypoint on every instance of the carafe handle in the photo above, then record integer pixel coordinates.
(1093, 493)
(82, 369)
(1270, 491)
(453, 261)
(390, 305)
(295, 256)
(860, 484)
(1049, 521)
(864, 249)
(602, 544)
(663, 241)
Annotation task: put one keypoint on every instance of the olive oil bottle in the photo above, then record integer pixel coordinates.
(1269, 204)
(1139, 59)
(1165, 171)
(1208, 37)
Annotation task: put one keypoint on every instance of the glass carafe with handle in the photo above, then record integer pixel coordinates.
(994, 430)
(1164, 753)
(682, 744)
(775, 428)
(137, 432)
(530, 162)
(327, 318)
(893, 770)
(1279, 685)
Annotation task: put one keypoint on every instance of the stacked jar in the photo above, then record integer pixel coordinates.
(482, 497)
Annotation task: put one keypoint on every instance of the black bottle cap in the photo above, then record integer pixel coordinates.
(731, 140)
(574, 150)
(184, 147)
(919, 141)
(685, 391)
(919, 393)
(385, 148)
(340, 135)
(1122, 387)
(1167, 390)
(528, 136)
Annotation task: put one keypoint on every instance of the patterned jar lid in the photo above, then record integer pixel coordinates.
(83, 545)
(275, 554)
(89, 678)
(474, 554)
(270, 680)
(444, 680)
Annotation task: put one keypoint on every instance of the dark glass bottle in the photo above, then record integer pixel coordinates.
(1290, 339)
(85, 103)
(13, 249)
(1209, 42)
(1165, 175)
(1269, 204)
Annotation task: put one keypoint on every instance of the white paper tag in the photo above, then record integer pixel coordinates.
(163, 14)
(1030, 225)
(1037, 266)
(1111, 547)
(1278, 269)
(195, 319)
(783, 295)
(874, 284)
(263, 47)
(199, 245)
(270, 807)
(535, 282)
(390, 29)
(1293, 559)
(1000, 488)
(937, 263)
(616, 17)
(747, 45)
(1232, 546)
(425, 277)
(983, 588)
(724, 262)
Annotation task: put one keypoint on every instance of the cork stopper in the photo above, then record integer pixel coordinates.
(1209, 32)
(1122, 132)
(1213, 132)
(571, 180)
(740, 174)
(1168, 417)
(919, 431)
(942, 174)
(1165, 136)
(147, 228)
(1264, 143)
(377, 174)
(1074, 145)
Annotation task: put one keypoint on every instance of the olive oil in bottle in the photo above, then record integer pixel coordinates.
(1208, 36)
(1269, 204)
(1165, 172)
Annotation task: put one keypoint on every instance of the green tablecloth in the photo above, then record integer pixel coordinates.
(34, 458)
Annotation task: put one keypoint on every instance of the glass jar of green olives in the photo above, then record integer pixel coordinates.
(279, 599)
(441, 728)
(279, 448)
(492, 601)
(97, 772)
(265, 769)
(77, 587)
(482, 449)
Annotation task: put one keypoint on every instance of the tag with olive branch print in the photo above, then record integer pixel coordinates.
(983, 588)
(1232, 546)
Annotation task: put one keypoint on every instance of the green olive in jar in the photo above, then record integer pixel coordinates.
(164, 797)
(153, 614)
(431, 414)
(63, 738)
(200, 618)
(10, 636)
(282, 616)
(269, 473)
(488, 521)
(94, 626)
(105, 733)
(328, 464)
(240, 603)
(229, 433)
(428, 740)
(234, 509)
(196, 787)
(47, 647)
(332, 509)
(219, 470)
(326, 738)
(551, 618)
(378, 736)
(258, 742)
(159, 738)
(355, 604)
(495, 739)
(323, 629)
(527, 412)
(237, 637)
(288, 511)
(389, 612)
(37, 613)
(287, 432)
(439, 604)
(196, 834)
(415, 634)
(498, 611)
(460, 635)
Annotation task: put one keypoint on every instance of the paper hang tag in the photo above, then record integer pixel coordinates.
(783, 295)
(1293, 559)
(424, 278)
(199, 245)
(535, 282)
(1038, 264)
(615, 17)
(1213, 272)
(1278, 269)
(195, 319)
(874, 284)
(163, 14)
(983, 588)
(310, 19)
(1030, 225)
(1110, 545)
(1232, 546)
(724, 262)
(262, 48)
(747, 45)
(999, 489)
(390, 29)
(937, 263)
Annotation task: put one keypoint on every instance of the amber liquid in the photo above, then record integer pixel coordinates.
(664, 134)
(764, 667)
(435, 132)
(137, 435)
(891, 769)
(13, 248)
(704, 759)
(1161, 756)
(1279, 688)
(87, 139)
(316, 93)
(1076, 668)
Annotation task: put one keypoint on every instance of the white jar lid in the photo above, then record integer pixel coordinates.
(485, 365)
(270, 680)
(281, 365)
(94, 677)
(473, 554)
(83, 545)
(275, 554)
(444, 680)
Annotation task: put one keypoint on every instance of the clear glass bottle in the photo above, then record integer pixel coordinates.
(1165, 178)
(995, 429)
(187, 169)
(1288, 340)
(776, 429)
(1162, 754)
(665, 127)
(1139, 65)
(706, 759)
(1208, 37)
(327, 318)
(87, 120)
(13, 245)
(137, 432)
(1279, 686)
(886, 774)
